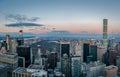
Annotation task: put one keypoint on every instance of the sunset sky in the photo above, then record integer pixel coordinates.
(76, 16)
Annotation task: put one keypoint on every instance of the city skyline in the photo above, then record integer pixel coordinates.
(76, 16)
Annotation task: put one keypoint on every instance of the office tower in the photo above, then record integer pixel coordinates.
(21, 61)
(14, 45)
(89, 59)
(73, 46)
(106, 58)
(38, 58)
(53, 60)
(2, 49)
(45, 63)
(93, 52)
(84, 70)
(118, 47)
(118, 61)
(112, 57)
(105, 36)
(8, 42)
(112, 43)
(26, 53)
(100, 53)
(4, 45)
(65, 58)
(105, 42)
(31, 71)
(9, 58)
(111, 71)
(65, 48)
(20, 38)
(118, 64)
(85, 51)
(65, 65)
(77, 49)
(75, 66)
(95, 69)
(3, 70)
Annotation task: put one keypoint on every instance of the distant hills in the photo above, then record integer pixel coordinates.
(12, 35)
(60, 35)
(68, 35)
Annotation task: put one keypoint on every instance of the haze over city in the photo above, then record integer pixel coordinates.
(76, 16)
(59, 38)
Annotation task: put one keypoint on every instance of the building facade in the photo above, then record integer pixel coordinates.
(105, 36)
(95, 69)
(31, 71)
(111, 71)
(93, 52)
(76, 66)
(85, 51)
(25, 52)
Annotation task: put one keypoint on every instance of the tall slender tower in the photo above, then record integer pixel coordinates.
(8, 41)
(105, 23)
(21, 33)
(20, 39)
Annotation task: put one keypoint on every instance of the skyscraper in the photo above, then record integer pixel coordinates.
(53, 60)
(75, 66)
(3, 70)
(26, 53)
(3, 46)
(105, 24)
(105, 41)
(65, 58)
(20, 39)
(85, 51)
(95, 69)
(14, 45)
(112, 57)
(8, 41)
(100, 53)
(111, 71)
(38, 59)
(65, 49)
(93, 52)
(65, 65)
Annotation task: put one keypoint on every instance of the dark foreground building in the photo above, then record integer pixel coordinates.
(26, 53)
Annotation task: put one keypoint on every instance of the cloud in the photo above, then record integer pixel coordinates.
(33, 19)
(23, 24)
(21, 18)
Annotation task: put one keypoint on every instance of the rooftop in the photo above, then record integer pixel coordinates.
(94, 64)
(34, 70)
(111, 67)
(32, 66)
(8, 53)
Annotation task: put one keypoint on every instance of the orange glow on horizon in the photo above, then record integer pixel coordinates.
(74, 28)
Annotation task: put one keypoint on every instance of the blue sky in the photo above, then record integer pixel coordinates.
(71, 15)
